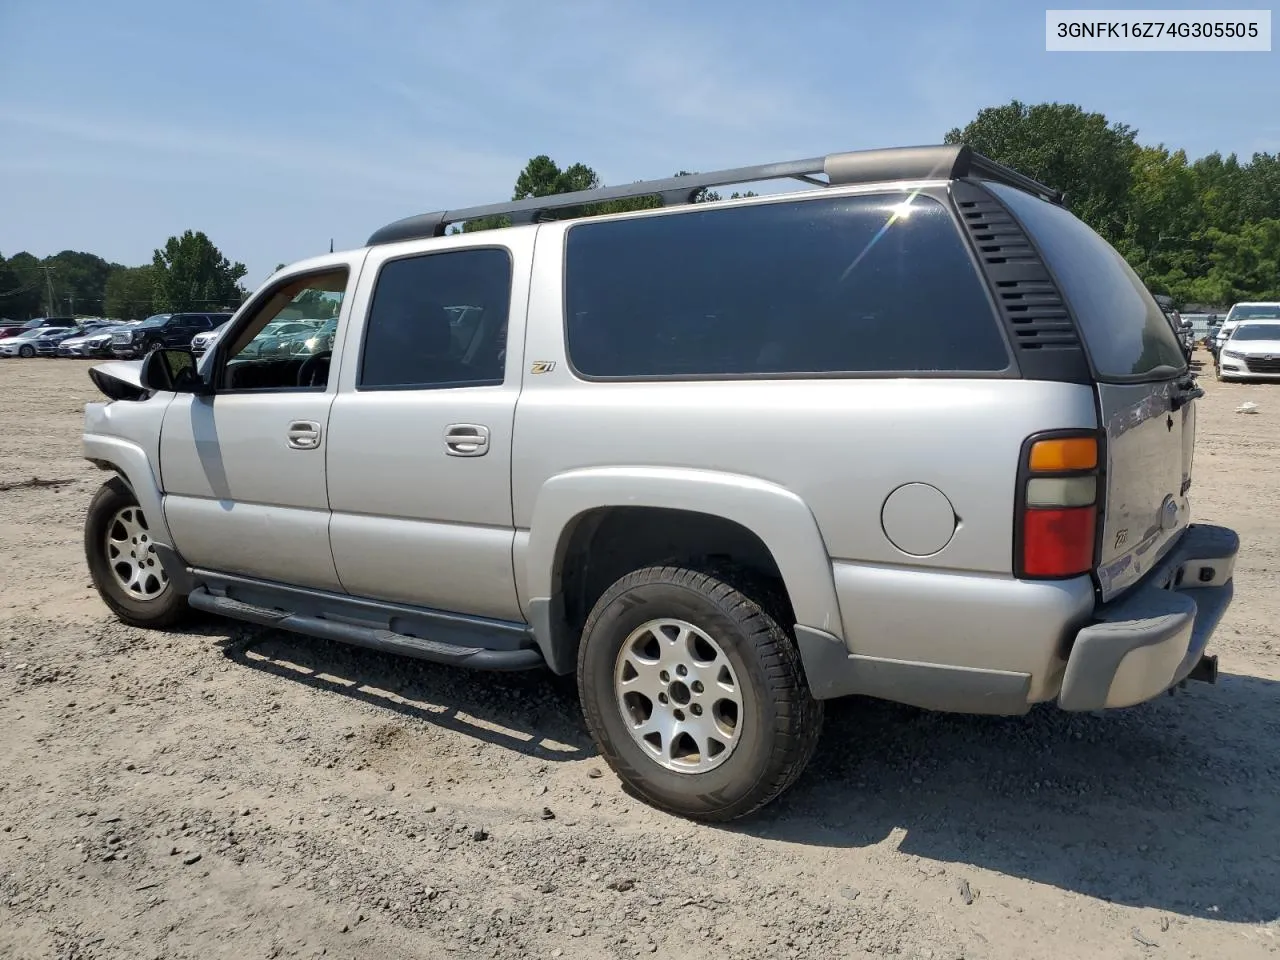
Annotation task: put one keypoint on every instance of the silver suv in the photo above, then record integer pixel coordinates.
(915, 432)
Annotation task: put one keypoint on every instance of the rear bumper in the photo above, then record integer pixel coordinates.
(1154, 637)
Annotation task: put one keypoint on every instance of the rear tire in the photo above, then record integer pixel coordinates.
(695, 695)
(122, 561)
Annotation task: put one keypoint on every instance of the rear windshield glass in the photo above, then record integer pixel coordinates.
(865, 284)
(1125, 331)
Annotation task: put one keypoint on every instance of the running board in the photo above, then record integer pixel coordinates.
(479, 658)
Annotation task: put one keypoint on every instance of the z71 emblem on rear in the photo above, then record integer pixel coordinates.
(1121, 537)
(542, 366)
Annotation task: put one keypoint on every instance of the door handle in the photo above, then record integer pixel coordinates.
(304, 435)
(466, 440)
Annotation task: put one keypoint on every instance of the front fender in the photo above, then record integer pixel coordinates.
(130, 461)
(776, 515)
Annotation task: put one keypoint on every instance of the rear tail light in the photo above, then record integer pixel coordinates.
(1057, 522)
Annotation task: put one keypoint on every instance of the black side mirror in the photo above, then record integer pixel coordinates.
(171, 370)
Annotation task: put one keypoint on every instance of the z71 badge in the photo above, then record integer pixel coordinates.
(542, 366)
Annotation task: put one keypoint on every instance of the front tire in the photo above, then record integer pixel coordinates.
(695, 694)
(26, 351)
(123, 563)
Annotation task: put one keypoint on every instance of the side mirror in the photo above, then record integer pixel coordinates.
(171, 370)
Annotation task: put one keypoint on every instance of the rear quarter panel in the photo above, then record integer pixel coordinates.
(841, 445)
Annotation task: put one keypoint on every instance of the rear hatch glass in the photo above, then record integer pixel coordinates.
(1139, 365)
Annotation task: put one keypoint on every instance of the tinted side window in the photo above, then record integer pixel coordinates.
(831, 285)
(1125, 331)
(438, 320)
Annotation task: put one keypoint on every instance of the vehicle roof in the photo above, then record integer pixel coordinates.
(862, 167)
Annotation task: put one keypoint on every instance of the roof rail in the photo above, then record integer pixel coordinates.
(943, 162)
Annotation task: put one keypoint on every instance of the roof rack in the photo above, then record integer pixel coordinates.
(943, 162)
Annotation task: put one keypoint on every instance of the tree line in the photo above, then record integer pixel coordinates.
(187, 273)
(1203, 231)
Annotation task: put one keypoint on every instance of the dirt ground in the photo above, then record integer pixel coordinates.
(227, 791)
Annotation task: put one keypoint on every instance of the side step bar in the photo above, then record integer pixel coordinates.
(476, 657)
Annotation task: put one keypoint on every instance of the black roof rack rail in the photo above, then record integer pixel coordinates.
(943, 162)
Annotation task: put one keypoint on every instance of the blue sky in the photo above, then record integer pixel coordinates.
(274, 126)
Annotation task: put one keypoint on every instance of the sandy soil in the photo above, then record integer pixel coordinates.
(233, 792)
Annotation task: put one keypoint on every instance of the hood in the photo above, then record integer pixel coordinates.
(120, 379)
(1251, 348)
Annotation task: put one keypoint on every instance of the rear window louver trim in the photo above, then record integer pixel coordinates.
(1040, 326)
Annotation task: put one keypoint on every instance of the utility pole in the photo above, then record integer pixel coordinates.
(49, 281)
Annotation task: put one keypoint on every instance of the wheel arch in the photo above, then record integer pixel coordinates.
(759, 524)
(129, 462)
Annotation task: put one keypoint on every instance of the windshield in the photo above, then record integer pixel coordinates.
(1257, 331)
(156, 320)
(1255, 311)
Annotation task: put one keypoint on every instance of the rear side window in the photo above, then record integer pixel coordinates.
(1125, 332)
(839, 285)
(438, 320)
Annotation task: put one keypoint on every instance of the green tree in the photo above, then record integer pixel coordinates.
(130, 292)
(543, 177)
(190, 273)
(317, 305)
(1060, 144)
(78, 280)
(1243, 265)
(22, 287)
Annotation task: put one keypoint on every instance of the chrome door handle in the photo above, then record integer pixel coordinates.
(304, 435)
(466, 440)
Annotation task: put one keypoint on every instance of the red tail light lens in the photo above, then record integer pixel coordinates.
(1058, 543)
(1058, 507)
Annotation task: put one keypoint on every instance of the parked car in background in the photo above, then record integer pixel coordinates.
(37, 323)
(201, 343)
(94, 342)
(1252, 351)
(38, 341)
(276, 339)
(322, 340)
(1181, 329)
(21, 344)
(163, 330)
(47, 342)
(1246, 310)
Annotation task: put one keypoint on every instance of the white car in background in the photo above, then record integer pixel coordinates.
(202, 343)
(1252, 351)
(1248, 310)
